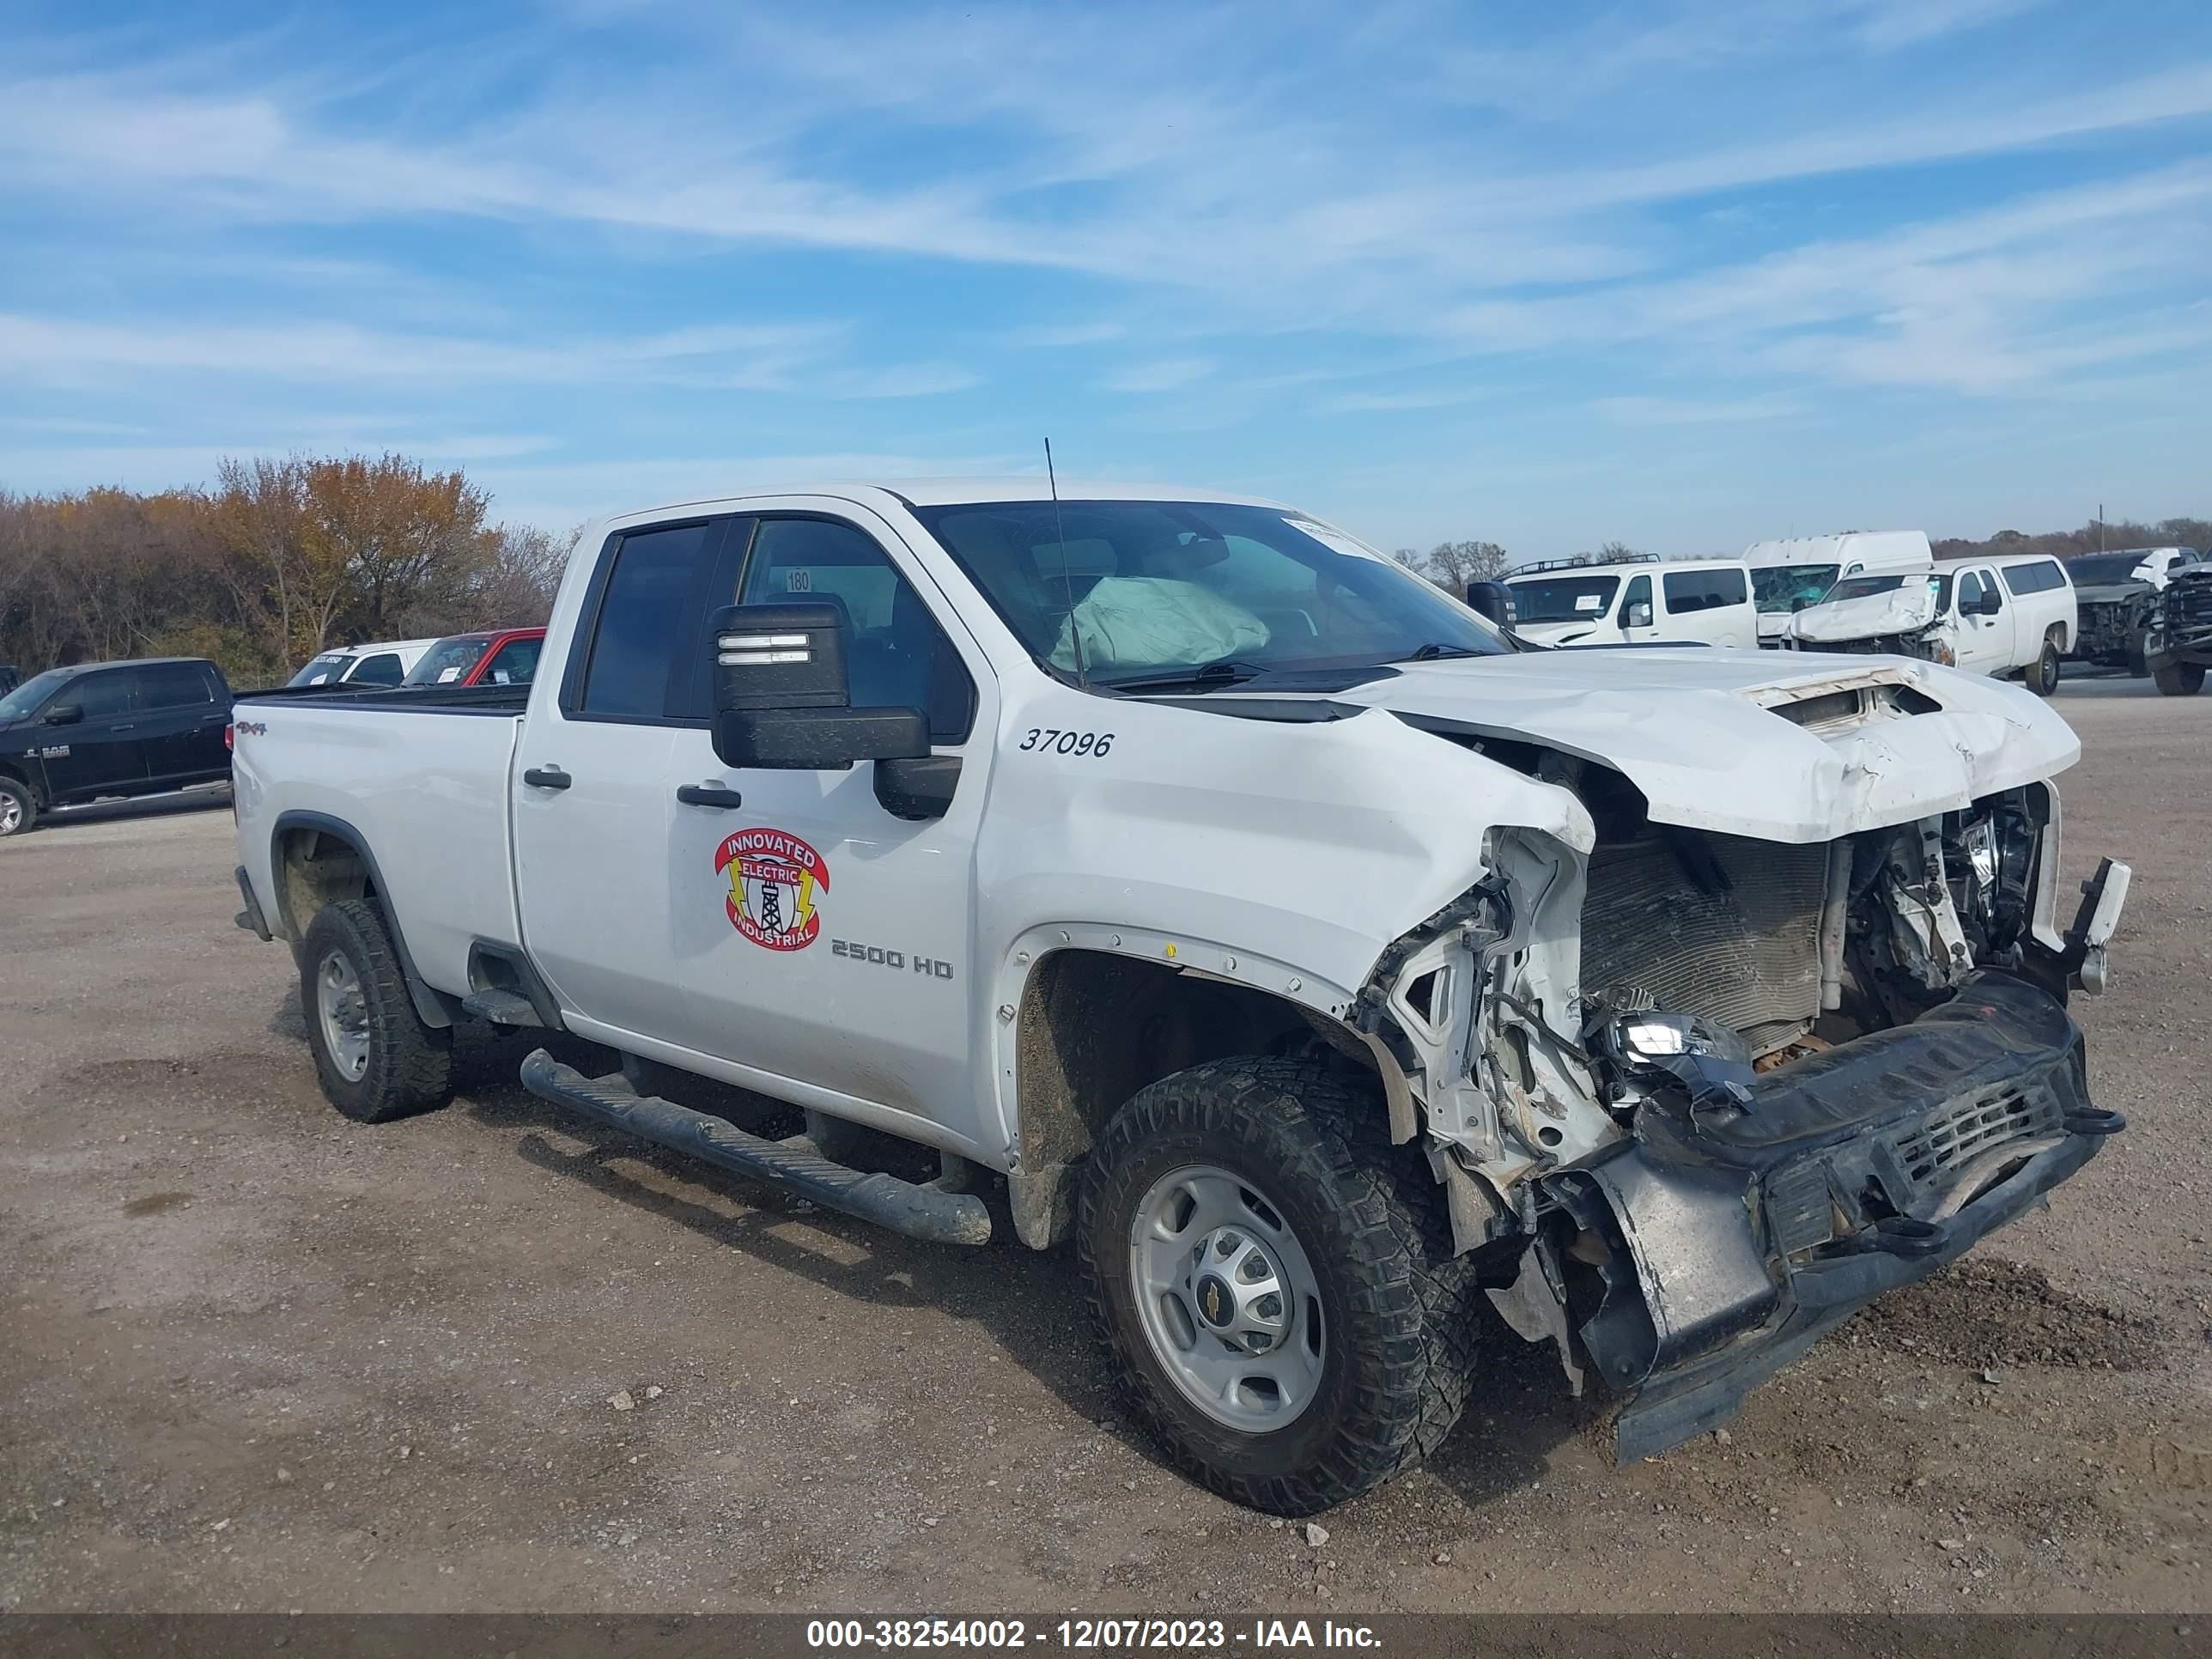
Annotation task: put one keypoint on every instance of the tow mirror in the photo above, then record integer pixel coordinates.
(1991, 604)
(782, 698)
(66, 714)
(1491, 599)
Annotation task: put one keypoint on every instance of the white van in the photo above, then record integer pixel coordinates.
(2013, 615)
(381, 662)
(1640, 601)
(1789, 574)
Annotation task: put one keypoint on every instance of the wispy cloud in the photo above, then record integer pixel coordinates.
(1167, 374)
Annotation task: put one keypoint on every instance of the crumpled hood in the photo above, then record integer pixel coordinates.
(1557, 633)
(2112, 592)
(1699, 733)
(1906, 610)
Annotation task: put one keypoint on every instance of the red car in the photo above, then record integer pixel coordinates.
(505, 656)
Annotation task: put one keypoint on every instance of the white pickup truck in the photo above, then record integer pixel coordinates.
(1324, 961)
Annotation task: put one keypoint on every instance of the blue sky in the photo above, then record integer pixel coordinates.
(1546, 274)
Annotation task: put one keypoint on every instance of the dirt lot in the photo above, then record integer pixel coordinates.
(254, 1356)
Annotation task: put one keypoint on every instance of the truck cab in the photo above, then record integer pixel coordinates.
(108, 729)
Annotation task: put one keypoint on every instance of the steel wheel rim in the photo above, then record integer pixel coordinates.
(1216, 1272)
(343, 1008)
(11, 814)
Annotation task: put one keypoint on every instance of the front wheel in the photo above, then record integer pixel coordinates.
(2181, 679)
(2138, 658)
(2041, 676)
(375, 1057)
(19, 808)
(1275, 1282)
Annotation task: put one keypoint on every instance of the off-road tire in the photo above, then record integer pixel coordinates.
(410, 1064)
(2181, 679)
(26, 812)
(1402, 1313)
(2041, 676)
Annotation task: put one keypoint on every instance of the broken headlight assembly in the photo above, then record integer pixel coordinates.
(1647, 1052)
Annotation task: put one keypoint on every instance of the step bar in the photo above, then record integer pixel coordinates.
(928, 1214)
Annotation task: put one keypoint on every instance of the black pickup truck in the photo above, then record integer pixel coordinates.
(2180, 646)
(104, 730)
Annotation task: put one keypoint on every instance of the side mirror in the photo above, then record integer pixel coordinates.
(1798, 604)
(1491, 599)
(783, 699)
(64, 713)
(1991, 604)
(1639, 616)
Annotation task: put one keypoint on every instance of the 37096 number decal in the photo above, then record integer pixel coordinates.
(1053, 740)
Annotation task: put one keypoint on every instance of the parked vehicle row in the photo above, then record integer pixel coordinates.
(1321, 960)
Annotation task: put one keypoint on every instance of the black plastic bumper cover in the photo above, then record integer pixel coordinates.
(251, 917)
(1734, 1241)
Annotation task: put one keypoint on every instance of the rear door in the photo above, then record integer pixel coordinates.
(595, 778)
(98, 752)
(181, 722)
(1711, 605)
(379, 668)
(514, 663)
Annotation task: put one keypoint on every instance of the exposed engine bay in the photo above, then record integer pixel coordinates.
(1697, 1096)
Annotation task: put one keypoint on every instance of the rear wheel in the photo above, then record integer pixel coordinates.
(1276, 1282)
(19, 809)
(375, 1057)
(2041, 676)
(2181, 679)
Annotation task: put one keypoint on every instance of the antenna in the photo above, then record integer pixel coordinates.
(1066, 586)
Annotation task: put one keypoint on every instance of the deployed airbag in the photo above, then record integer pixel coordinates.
(1145, 622)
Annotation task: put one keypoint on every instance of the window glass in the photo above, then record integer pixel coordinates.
(2039, 578)
(895, 653)
(321, 670)
(1970, 592)
(30, 694)
(1178, 592)
(382, 669)
(1702, 590)
(639, 630)
(173, 685)
(1861, 587)
(1563, 599)
(448, 662)
(515, 664)
(101, 695)
(1779, 588)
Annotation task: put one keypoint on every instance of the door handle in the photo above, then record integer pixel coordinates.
(124, 725)
(547, 777)
(708, 794)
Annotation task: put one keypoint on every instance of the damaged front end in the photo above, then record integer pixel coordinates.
(1696, 1098)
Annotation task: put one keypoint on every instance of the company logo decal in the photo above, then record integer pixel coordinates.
(773, 880)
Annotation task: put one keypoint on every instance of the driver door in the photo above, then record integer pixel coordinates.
(1638, 619)
(1984, 641)
(100, 752)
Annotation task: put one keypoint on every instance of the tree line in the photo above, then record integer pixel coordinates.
(2096, 536)
(275, 562)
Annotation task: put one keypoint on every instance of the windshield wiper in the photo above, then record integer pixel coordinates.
(1433, 653)
(1210, 677)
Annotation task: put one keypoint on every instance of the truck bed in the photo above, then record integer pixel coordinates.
(429, 796)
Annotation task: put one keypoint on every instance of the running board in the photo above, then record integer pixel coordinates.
(923, 1213)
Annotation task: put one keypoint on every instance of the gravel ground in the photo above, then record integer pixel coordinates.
(258, 1357)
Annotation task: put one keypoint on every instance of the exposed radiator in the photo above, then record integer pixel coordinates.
(1712, 925)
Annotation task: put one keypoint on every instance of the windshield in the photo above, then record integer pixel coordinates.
(30, 694)
(321, 670)
(1168, 586)
(447, 662)
(2103, 567)
(1861, 587)
(1563, 599)
(1779, 586)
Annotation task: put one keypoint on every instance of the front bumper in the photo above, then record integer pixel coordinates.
(1730, 1243)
